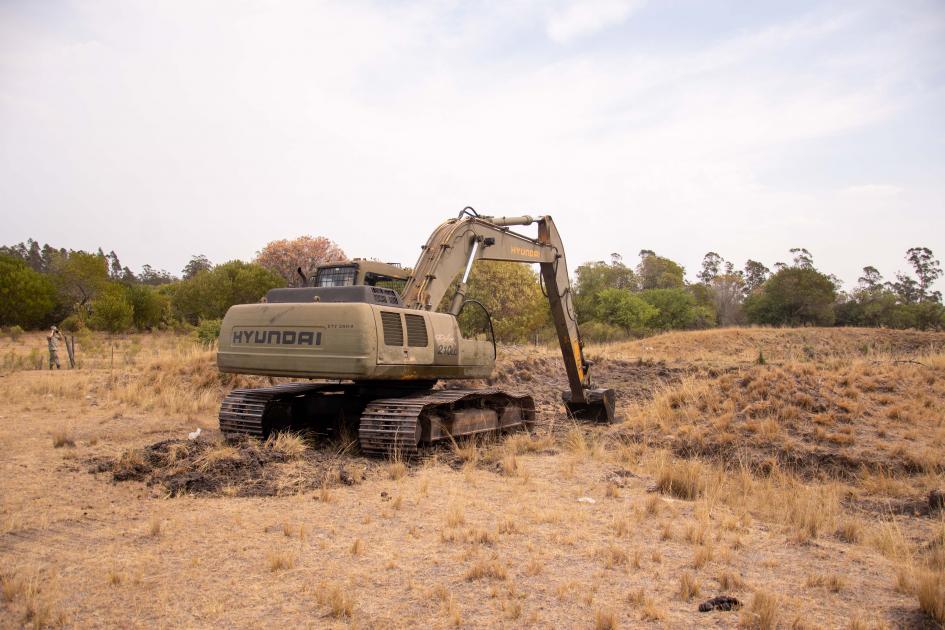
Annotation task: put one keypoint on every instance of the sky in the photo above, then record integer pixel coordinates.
(163, 129)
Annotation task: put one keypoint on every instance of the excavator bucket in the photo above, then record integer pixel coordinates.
(599, 406)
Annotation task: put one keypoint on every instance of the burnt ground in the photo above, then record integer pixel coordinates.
(239, 468)
(817, 423)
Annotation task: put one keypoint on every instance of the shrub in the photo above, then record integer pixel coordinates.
(627, 310)
(149, 306)
(15, 332)
(111, 311)
(675, 309)
(208, 331)
(73, 323)
(600, 332)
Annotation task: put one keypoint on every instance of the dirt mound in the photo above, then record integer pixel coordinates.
(817, 420)
(246, 467)
(543, 377)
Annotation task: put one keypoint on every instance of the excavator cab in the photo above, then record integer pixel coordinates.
(359, 272)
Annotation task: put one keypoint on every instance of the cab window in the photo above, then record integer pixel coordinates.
(336, 277)
(378, 280)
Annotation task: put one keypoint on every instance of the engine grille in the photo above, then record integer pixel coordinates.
(416, 331)
(393, 330)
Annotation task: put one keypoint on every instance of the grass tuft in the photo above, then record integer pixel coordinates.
(689, 586)
(486, 569)
(605, 619)
(762, 614)
(930, 591)
(396, 470)
(290, 445)
(681, 479)
(279, 560)
(337, 600)
(62, 439)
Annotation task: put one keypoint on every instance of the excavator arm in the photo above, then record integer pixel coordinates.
(453, 248)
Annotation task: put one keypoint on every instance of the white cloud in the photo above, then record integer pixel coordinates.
(581, 18)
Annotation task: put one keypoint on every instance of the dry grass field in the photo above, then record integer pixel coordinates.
(795, 470)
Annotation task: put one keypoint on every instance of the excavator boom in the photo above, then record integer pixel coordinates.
(456, 244)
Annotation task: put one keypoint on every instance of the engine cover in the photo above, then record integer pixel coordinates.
(358, 341)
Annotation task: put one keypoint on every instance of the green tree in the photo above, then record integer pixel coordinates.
(926, 315)
(154, 277)
(927, 271)
(111, 310)
(197, 264)
(711, 267)
(872, 279)
(620, 307)
(148, 305)
(802, 258)
(209, 293)
(794, 296)
(705, 300)
(755, 275)
(513, 297)
(656, 272)
(677, 309)
(27, 298)
(80, 277)
(593, 277)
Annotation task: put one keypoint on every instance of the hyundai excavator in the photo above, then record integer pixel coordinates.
(372, 354)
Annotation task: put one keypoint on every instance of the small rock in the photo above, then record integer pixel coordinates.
(936, 500)
(345, 476)
(722, 602)
(586, 500)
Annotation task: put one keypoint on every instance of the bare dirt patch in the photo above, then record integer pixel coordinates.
(543, 377)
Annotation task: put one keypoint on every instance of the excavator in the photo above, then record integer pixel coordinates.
(372, 341)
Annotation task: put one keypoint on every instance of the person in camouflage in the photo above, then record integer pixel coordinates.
(53, 339)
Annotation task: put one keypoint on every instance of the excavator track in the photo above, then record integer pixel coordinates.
(396, 425)
(245, 411)
(399, 426)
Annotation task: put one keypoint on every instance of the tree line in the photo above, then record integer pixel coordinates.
(613, 298)
(615, 301)
(42, 285)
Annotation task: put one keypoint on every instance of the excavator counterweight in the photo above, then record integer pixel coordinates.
(372, 344)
